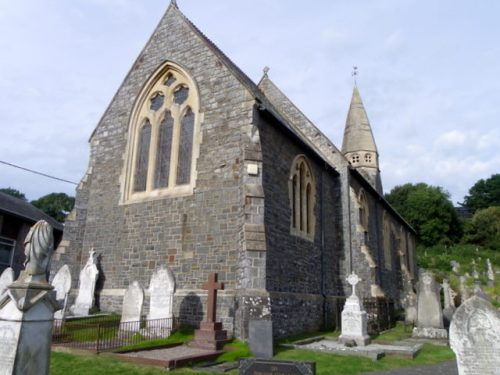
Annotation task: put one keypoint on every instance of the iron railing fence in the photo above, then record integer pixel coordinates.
(105, 333)
(380, 311)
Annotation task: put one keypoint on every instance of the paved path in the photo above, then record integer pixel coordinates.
(445, 368)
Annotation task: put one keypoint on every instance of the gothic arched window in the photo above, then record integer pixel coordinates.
(302, 198)
(164, 138)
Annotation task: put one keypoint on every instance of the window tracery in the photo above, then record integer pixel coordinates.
(164, 138)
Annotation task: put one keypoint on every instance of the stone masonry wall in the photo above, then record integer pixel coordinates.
(296, 266)
(193, 235)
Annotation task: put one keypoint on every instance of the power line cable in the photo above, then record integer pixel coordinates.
(38, 173)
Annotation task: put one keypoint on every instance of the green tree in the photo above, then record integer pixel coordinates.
(429, 210)
(14, 192)
(484, 228)
(57, 205)
(483, 194)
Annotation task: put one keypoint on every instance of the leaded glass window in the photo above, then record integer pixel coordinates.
(164, 143)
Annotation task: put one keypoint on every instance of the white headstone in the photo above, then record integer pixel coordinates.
(475, 337)
(354, 318)
(490, 274)
(6, 279)
(464, 291)
(429, 311)
(132, 307)
(449, 301)
(161, 290)
(455, 266)
(62, 286)
(88, 277)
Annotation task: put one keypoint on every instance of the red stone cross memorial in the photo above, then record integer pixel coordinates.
(212, 286)
(210, 335)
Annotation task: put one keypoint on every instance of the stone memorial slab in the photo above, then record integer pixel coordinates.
(455, 267)
(88, 278)
(464, 291)
(354, 323)
(62, 286)
(429, 311)
(6, 279)
(133, 301)
(161, 291)
(490, 274)
(273, 367)
(449, 301)
(410, 306)
(260, 338)
(475, 337)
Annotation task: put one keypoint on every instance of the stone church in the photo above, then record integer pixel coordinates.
(195, 167)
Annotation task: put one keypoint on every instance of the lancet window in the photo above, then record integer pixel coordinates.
(302, 198)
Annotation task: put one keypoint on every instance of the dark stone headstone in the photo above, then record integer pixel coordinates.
(260, 338)
(255, 366)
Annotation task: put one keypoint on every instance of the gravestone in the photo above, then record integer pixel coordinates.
(161, 291)
(490, 274)
(455, 267)
(475, 337)
(449, 302)
(464, 291)
(478, 290)
(210, 335)
(255, 366)
(475, 274)
(410, 307)
(6, 279)
(354, 324)
(27, 310)
(429, 311)
(62, 286)
(260, 338)
(88, 278)
(132, 308)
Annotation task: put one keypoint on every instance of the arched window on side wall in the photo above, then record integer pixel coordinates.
(302, 199)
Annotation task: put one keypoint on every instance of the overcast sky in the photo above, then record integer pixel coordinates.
(428, 76)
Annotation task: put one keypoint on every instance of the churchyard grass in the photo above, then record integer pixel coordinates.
(178, 337)
(235, 350)
(331, 364)
(400, 332)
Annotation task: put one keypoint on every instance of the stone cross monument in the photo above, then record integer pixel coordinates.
(210, 335)
(354, 317)
(27, 310)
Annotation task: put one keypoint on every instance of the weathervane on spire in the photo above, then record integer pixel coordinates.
(354, 74)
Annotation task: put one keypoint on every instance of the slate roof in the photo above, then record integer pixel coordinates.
(18, 207)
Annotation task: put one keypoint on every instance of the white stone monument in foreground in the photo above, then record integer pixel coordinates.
(88, 278)
(354, 317)
(27, 310)
(475, 337)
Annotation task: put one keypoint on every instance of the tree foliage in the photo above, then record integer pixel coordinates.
(484, 228)
(429, 210)
(57, 205)
(483, 194)
(14, 192)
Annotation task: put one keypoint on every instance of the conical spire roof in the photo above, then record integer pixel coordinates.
(358, 134)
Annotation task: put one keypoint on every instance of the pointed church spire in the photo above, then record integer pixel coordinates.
(358, 145)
